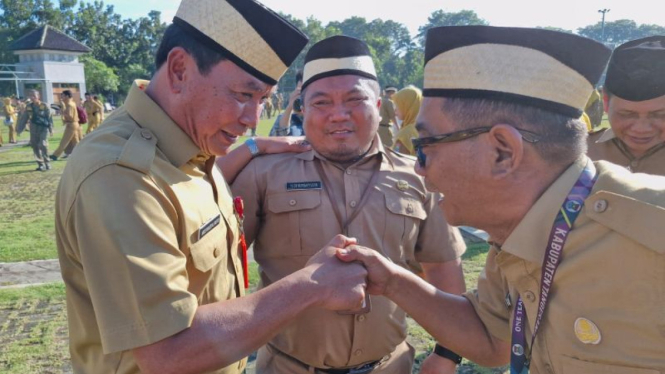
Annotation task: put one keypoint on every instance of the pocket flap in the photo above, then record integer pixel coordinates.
(210, 249)
(405, 206)
(293, 201)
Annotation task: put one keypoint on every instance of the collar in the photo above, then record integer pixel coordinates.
(171, 140)
(529, 239)
(376, 148)
(606, 136)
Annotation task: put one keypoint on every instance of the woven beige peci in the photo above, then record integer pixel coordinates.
(223, 24)
(511, 69)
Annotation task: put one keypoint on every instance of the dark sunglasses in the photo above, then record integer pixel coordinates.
(457, 136)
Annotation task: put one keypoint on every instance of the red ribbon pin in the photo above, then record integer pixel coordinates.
(240, 212)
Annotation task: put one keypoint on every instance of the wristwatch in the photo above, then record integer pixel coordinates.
(447, 353)
(253, 148)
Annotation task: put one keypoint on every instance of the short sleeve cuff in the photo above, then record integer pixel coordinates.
(451, 250)
(497, 326)
(159, 325)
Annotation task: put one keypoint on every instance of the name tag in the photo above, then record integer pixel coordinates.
(208, 226)
(300, 186)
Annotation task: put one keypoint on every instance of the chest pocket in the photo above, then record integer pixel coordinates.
(291, 215)
(211, 249)
(403, 219)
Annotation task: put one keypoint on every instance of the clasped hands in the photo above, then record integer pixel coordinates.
(347, 273)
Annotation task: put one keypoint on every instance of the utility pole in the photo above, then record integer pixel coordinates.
(602, 27)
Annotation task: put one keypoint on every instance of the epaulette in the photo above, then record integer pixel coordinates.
(632, 218)
(139, 151)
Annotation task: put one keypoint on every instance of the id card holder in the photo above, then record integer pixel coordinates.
(364, 309)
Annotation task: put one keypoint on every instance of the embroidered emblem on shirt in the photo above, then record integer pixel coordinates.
(586, 331)
(300, 186)
(208, 226)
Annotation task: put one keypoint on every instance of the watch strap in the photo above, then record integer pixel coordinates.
(253, 148)
(447, 353)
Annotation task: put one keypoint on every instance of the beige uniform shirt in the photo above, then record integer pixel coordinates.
(611, 276)
(69, 113)
(289, 217)
(602, 146)
(89, 107)
(145, 235)
(387, 110)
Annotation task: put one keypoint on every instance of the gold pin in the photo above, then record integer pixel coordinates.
(402, 185)
(586, 331)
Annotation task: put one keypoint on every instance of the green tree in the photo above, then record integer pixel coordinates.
(555, 29)
(99, 77)
(127, 76)
(620, 31)
(103, 30)
(443, 18)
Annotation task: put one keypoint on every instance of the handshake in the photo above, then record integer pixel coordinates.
(343, 275)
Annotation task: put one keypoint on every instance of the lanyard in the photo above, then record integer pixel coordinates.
(563, 224)
(344, 225)
(333, 199)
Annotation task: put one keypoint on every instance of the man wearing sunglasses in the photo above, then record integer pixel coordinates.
(574, 278)
(348, 184)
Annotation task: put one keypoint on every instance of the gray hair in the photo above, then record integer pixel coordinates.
(563, 139)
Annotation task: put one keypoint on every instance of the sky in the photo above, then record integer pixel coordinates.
(566, 14)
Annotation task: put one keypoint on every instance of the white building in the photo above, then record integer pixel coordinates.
(50, 62)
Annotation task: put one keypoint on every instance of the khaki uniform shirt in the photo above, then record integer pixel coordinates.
(612, 274)
(93, 109)
(89, 107)
(69, 113)
(289, 217)
(602, 146)
(387, 110)
(146, 233)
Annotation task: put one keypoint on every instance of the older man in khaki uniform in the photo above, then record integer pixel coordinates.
(577, 257)
(634, 96)
(70, 118)
(349, 183)
(146, 230)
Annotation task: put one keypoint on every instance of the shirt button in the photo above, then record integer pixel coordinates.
(409, 209)
(530, 296)
(353, 204)
(600, 206)
(348, 172)
(293, 202)
(145, 134)
(358, 352)
(361, 318)
(216, 252)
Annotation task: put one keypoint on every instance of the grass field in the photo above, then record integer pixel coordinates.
(33, 327)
